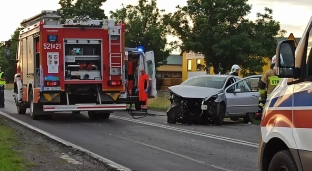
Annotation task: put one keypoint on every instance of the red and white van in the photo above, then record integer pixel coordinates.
(286, 134)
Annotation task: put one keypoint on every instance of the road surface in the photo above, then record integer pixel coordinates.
(152, 144)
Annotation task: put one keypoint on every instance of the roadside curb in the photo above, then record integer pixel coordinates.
(110, 164)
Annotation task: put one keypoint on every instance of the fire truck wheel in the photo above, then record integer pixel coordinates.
(20, 110)
(92, 115)
(283, 160)
(34, 109)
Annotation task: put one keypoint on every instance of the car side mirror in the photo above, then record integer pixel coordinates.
(285, 59)
(237, 90)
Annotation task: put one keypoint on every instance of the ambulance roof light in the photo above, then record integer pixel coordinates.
(140, 48)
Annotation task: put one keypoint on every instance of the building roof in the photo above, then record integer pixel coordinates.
(174, 60)
(170, 68)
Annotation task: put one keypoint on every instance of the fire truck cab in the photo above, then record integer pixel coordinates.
(286, 127)
(76, 66)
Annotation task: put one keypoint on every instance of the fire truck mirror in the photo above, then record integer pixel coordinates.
(7, 53)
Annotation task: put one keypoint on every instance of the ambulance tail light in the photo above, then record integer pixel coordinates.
(52, 83)
(114, 82)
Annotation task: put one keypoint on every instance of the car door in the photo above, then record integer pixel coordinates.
(151, 71)
(241, 98)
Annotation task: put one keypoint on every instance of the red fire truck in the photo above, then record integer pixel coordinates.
(73, 67)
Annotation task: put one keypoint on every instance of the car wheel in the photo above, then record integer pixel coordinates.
(283, 161)
(249, 117)
(221, 114)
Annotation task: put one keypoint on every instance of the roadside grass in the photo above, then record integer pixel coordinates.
(9, 158)
(160, 103)
(9, 86)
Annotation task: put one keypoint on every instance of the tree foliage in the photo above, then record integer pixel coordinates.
(82, 7)
(8, 65)
(220, 30)
(145, 27)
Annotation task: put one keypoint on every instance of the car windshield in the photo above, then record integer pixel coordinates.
(205, 81)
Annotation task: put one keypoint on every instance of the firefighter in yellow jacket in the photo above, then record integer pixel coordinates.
(2, 87)
(267, 84)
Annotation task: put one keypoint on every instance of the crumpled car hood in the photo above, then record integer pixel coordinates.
(193, 92)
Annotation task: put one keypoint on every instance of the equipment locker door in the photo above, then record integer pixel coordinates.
(151, 71)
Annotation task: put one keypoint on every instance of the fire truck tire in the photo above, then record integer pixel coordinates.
(283, 160)
(34, 109)
(20, 110)
(92, 115)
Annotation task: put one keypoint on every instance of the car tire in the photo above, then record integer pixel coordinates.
(249, 117)
(221, 114)
(283, 160)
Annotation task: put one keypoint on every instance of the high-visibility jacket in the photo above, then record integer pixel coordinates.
(271, 81)
(1, 81)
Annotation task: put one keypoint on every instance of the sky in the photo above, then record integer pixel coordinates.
(293, 15)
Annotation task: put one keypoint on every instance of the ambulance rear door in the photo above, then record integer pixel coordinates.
(151, 71)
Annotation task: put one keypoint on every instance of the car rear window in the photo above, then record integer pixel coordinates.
(210, 82)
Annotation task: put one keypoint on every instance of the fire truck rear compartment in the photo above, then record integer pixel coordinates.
(83, 59)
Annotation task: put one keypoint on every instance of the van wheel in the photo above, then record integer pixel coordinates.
(283, 161)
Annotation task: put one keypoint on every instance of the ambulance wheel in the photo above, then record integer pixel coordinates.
(33, 108)
(283, 160)
(137, 107)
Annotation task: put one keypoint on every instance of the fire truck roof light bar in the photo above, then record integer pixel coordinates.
(84, 107)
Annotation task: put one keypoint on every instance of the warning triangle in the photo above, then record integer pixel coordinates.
(292, 37)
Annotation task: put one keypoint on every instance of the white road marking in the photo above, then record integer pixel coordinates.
(232, 140)
(69, 159)
(102, 159)
(173, 153)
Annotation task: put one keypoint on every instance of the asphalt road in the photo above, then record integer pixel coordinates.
(149, 144)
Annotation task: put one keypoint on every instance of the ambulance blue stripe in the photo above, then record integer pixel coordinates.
(276, 102)
(303, 98)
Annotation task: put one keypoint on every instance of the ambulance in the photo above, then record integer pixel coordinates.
(286, 134)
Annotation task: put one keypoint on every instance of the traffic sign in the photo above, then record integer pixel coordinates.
(292, 37)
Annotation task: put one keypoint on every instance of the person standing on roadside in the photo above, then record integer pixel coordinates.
(143, 88)
(2, 87)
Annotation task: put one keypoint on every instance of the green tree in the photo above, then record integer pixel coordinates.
(220, 31)
(145, 27)
(9, 65)
(82, 7)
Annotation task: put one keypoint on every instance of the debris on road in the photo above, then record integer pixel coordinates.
(40, 153)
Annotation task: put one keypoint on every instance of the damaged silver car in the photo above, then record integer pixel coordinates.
(205, 98)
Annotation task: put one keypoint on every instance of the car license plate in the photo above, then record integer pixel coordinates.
(204, 107)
